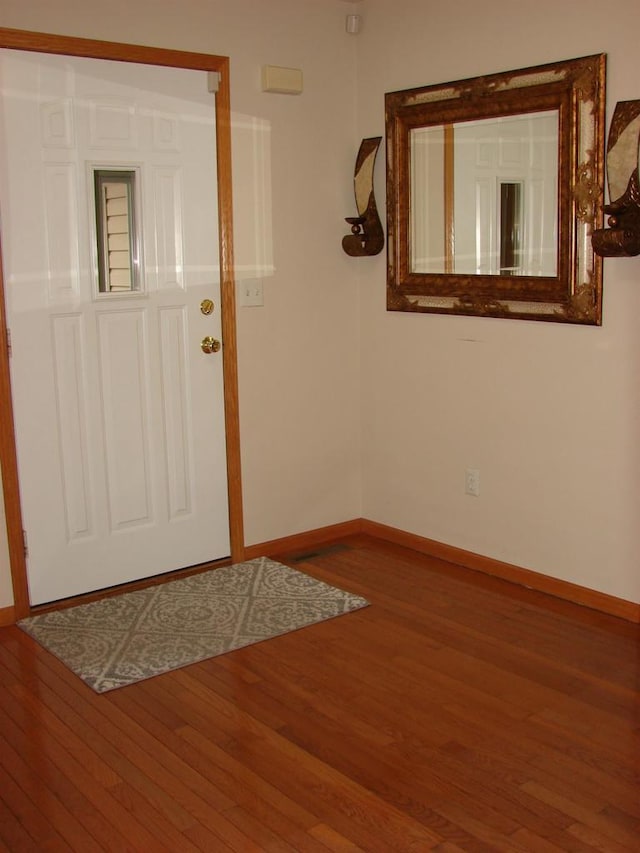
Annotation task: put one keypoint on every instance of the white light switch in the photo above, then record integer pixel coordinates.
(251, 293)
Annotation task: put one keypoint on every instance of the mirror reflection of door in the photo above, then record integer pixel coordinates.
(496, 210)
(119, 414)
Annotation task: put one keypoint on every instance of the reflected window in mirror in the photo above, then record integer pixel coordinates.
(494, 186)
(512, 230)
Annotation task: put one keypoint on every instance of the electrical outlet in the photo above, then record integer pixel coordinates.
(472, 482)
(251, 292)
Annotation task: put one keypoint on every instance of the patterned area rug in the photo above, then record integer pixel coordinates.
(136, 635)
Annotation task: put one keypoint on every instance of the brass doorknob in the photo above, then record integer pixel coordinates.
(210, 344)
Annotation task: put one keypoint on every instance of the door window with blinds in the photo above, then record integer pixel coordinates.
(117, 237)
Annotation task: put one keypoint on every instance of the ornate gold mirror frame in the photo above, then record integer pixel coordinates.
(572, 94)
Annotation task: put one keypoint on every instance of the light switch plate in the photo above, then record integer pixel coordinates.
(251, 293)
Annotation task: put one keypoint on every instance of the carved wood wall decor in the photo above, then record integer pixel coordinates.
(367, 235)
(622, 237)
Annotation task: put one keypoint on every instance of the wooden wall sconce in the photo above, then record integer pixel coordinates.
(622, 238)
(367, 235)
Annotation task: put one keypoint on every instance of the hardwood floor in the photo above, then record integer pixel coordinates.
(457, 712)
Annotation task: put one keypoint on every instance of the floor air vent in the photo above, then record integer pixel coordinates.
(319, 552)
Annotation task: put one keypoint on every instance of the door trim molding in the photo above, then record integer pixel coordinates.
(94, 49)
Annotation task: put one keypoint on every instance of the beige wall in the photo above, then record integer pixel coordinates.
(348, 410)
(550, 414)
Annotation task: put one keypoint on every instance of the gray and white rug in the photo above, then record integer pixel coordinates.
(136, 635)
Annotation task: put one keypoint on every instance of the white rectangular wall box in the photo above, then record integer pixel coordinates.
(283, 81)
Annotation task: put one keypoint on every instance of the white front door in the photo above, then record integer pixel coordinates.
(119, 413)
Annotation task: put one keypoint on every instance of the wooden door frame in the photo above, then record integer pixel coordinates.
(93, 49)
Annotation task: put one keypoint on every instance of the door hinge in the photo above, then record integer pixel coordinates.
(25, 544)
(9, 342)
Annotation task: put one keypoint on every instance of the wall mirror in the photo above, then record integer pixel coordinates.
(494, 186)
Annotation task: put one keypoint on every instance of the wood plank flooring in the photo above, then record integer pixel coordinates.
(458, 712)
